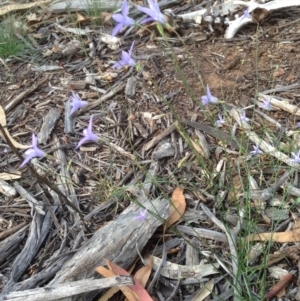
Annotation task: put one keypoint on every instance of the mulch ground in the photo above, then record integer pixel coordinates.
(146, 102)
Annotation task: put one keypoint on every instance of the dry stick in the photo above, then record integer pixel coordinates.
(110, 94)
(43, 179)
(232, 246)
(8, 232)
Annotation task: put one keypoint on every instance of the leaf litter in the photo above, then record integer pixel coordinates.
(146, 150)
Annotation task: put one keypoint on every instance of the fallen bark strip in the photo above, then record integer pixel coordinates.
(58, 291)
(117, 241)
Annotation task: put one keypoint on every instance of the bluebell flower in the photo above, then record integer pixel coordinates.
(208, 98)
(88, 134)
(256, 150)
(153, 12)
(77, 103)
(122, 19)
(244, 118)
(142, 215)
(220, 121)
(126, 60)
(246, 14)
(33, 152)
(295, 158)
(266, 105)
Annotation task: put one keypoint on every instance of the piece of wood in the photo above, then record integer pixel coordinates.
(117, 241)
(57, 291)
(49, 122)
(160, 137)
(12, 230)
(11, 244)
(203, 233)
(34, 204)
(40, 227)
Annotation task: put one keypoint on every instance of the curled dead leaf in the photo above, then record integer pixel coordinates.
(177, 207)
(3, 123)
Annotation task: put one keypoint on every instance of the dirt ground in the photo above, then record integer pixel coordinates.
(258, 59)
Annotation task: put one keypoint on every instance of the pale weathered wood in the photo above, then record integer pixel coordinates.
(40, 226)
(48, 125)
(203, 233)
(118, 241)
(11, 231)
(69, 120)
(9, 246)
(58, 291)
(34, 204)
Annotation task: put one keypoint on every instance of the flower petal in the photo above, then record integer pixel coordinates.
(125, 8)
(118, 18)
(147, 11)
(82, 141)
(118, 28)
(34, 141)
(205, 100)
(27, 159)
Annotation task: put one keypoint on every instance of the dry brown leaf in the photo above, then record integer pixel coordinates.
(143, 274)
(177, 208)
(236, 189)
(288, 236)
(13, 7)
(81, 18)
(279, 72)
(277, 289)
(139, 292)
(3, 123)
(106, 17)
(198, 148)
(125, 290)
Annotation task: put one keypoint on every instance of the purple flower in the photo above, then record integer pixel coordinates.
(122, 19)
(208, 98)
(296, 158)
(220, 121)
(153, 12)
(77, 103)
(88, 134)
(256, 150)
(244, 118)
(32, 152)
(143, 215)
(266, 104)
(298, 125)
(246, 14)
(126, 60)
